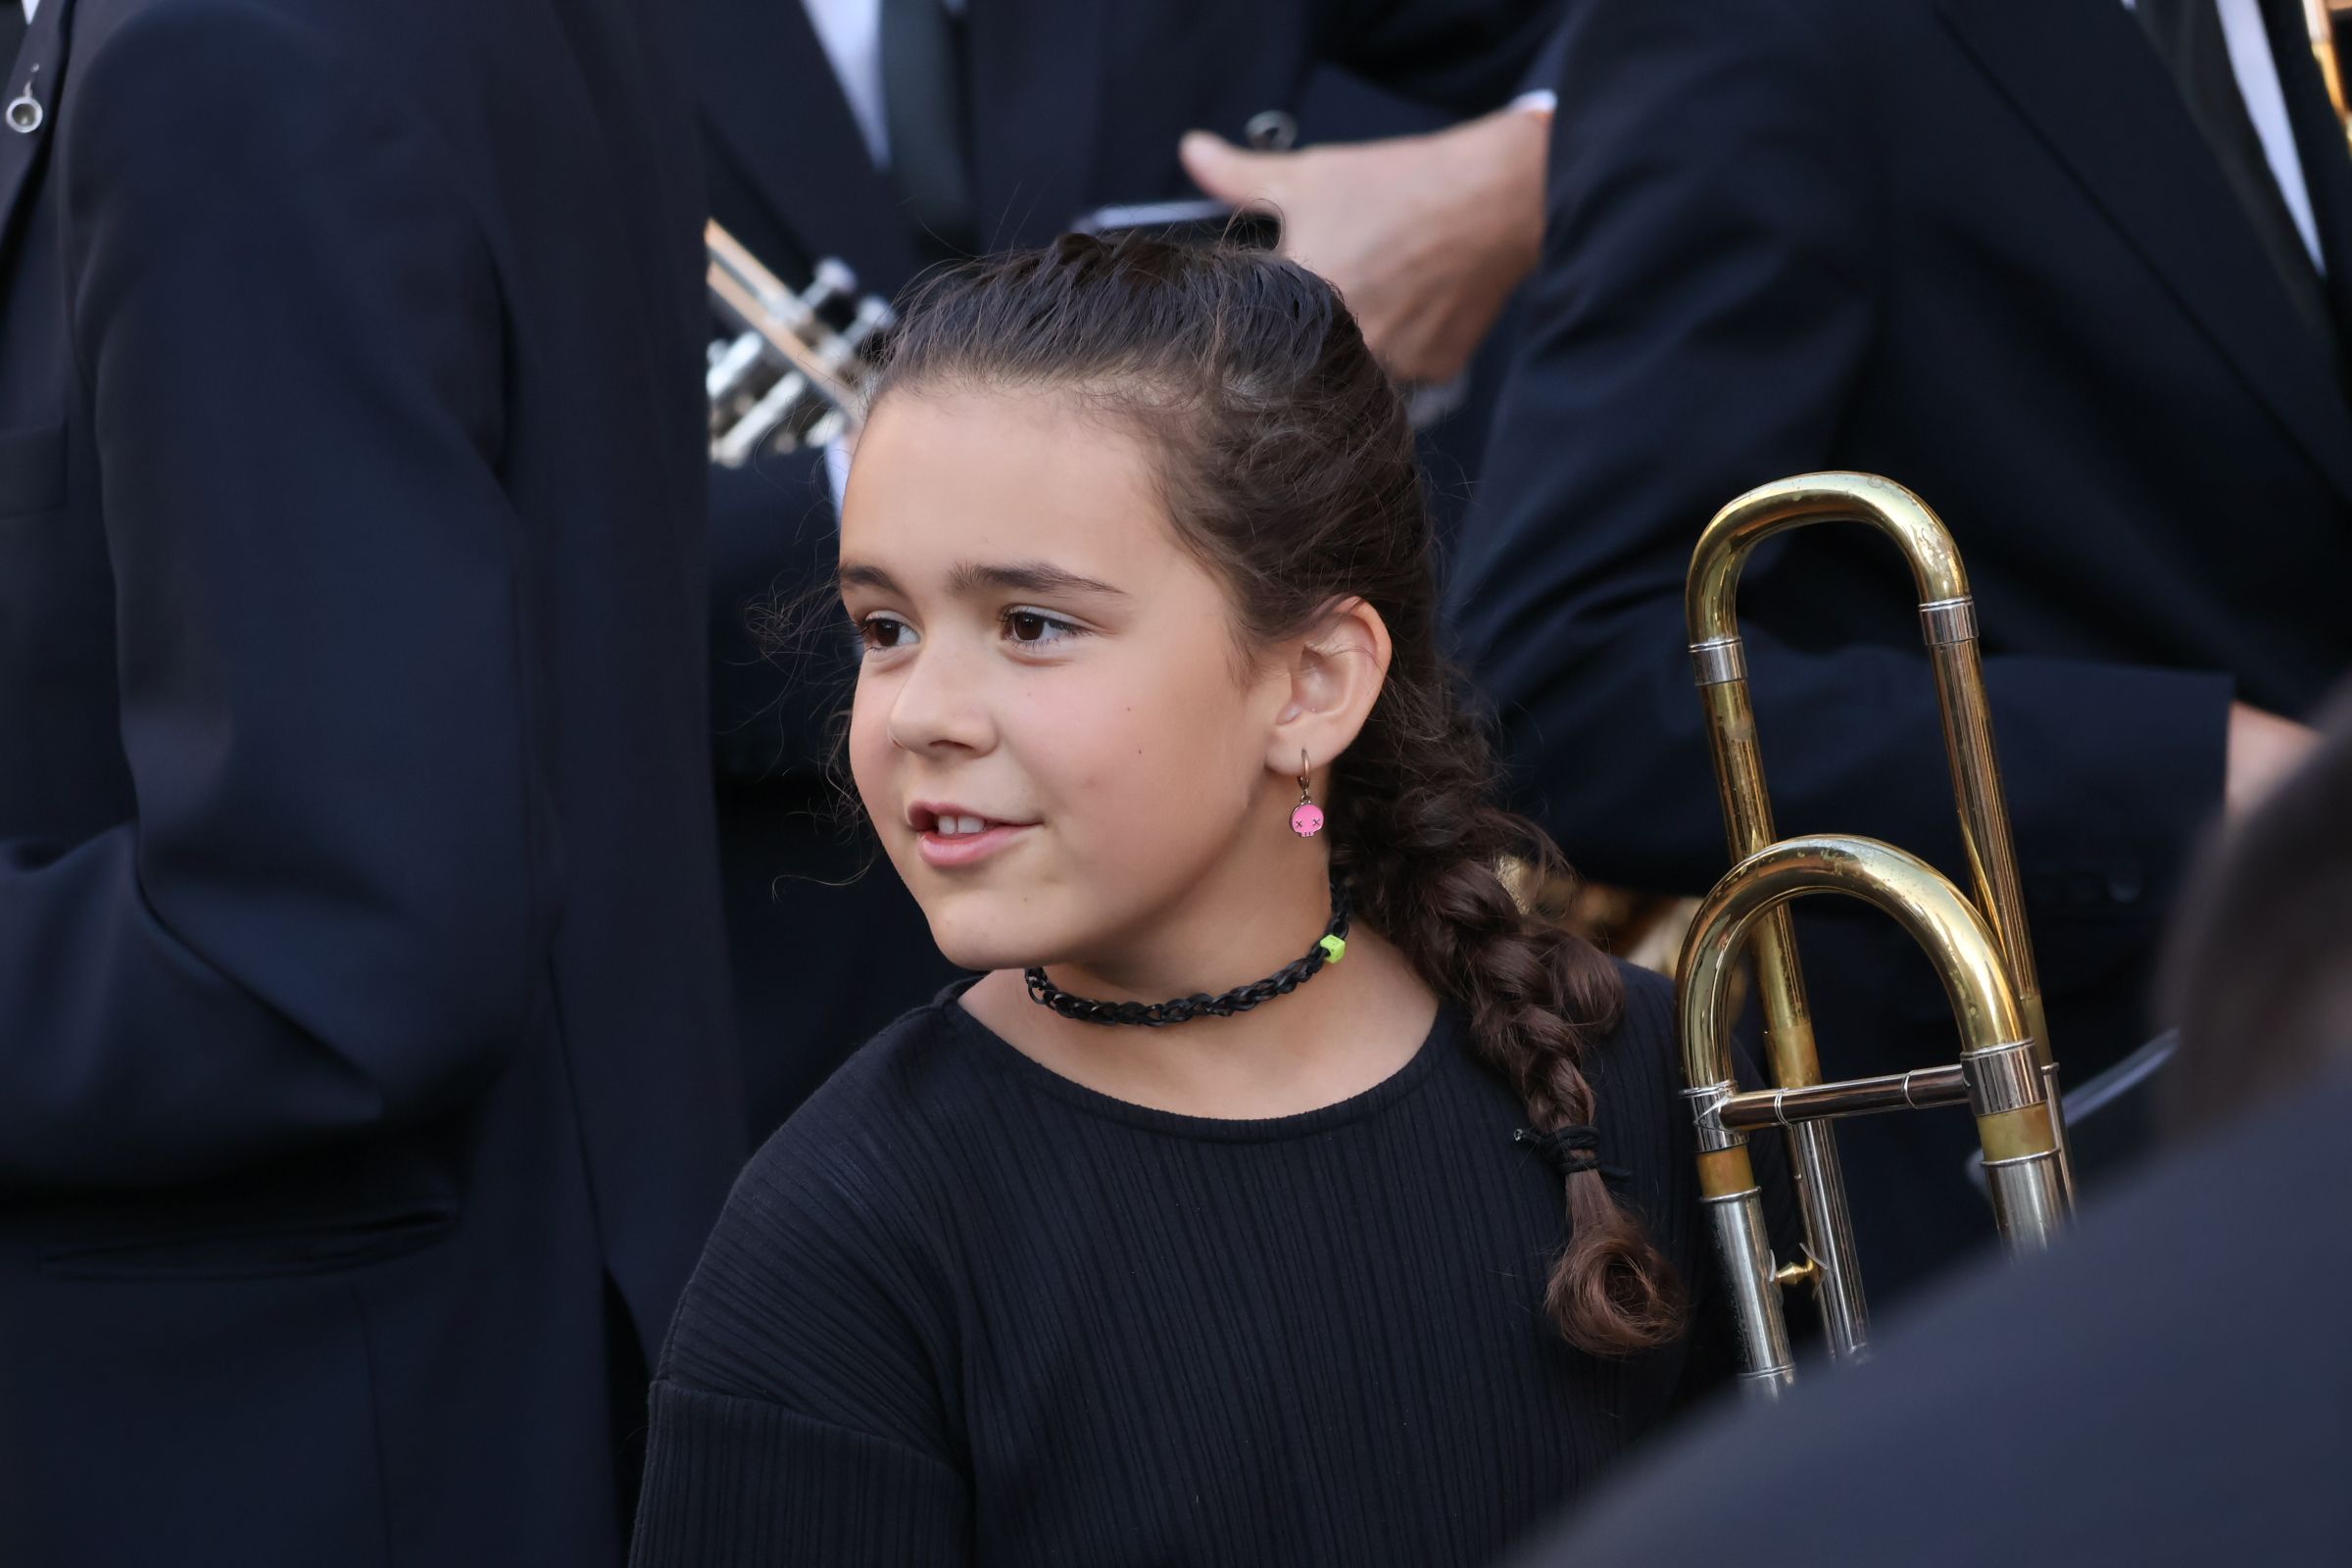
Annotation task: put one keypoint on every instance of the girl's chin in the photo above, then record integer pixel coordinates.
(972, 937)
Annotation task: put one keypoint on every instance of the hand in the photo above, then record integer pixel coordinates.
(2262, 749)
(1425, 236)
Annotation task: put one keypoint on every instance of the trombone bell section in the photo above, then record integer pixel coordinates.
(1997, 1076)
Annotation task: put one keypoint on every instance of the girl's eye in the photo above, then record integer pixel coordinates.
(881, 633)
(1035, 628)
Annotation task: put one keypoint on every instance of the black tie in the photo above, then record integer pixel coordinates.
(2187, 34)
(923, 111)
(13, 28)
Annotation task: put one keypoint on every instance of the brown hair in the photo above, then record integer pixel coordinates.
(1289, 466)
(2258, 970)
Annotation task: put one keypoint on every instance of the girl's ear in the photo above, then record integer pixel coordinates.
(1335, 672)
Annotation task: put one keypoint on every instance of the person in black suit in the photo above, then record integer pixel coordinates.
(2166, 1389)
(366, 1083)
(894, 135)
(2169, 1386)
(1997, 252)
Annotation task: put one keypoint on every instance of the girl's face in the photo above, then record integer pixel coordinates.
(1054, 733)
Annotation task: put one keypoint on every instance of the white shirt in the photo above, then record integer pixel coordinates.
(2257, 73)
(31, 6)
(852, 32)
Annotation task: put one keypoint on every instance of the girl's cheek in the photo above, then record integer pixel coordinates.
(1060, 723)
(869, 743)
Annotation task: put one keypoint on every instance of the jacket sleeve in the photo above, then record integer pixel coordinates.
(1700, 326)
(1463, 55)
(328, 912)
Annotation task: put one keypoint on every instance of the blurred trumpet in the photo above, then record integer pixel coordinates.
(800, 364)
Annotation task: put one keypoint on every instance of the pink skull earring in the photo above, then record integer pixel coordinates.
(1307, 818)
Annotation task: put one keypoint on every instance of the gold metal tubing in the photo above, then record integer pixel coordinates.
(1724, 1172)
(1996, 1060)
(1905, 887)
(1949, 626)
(1721, 668)
(2017, 1134)
(2318, 22)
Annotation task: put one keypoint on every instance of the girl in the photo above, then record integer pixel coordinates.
(1272, 1197)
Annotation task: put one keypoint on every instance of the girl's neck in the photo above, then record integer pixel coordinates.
(1347, 1028)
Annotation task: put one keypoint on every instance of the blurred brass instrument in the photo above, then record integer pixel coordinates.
(797, 365)
(1980, 948)
(2319, 25)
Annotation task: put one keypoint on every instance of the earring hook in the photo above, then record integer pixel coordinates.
(1307, 818)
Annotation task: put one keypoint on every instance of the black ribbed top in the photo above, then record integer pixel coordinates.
(962, 1309)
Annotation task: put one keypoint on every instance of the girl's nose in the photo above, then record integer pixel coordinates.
(937, 706)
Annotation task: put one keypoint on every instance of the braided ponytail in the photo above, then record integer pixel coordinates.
(1424, 847)
(1288, 463)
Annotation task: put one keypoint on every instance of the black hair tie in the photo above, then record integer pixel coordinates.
(1569, 1151)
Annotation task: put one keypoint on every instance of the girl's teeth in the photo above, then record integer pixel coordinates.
(968, 824)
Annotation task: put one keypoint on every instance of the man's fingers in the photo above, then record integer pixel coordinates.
(1231, 174)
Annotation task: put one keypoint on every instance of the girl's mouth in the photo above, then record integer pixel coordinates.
(951, 837)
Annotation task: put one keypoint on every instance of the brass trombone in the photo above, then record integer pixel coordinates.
(1903, 886)
(1997, 1076)
(2318, 24)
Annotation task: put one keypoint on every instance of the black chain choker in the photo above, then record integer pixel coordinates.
(1240, 999)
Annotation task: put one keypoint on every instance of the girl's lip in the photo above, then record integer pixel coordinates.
(945, 852)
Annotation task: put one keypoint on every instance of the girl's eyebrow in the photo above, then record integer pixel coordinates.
(1024, 576)
(978, 576)
(853, 574)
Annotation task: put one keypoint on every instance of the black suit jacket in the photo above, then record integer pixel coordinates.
(361, 1008)
(1981, 248)
(2167, 1388)
(1075, 104)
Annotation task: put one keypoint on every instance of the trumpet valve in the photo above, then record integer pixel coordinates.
(765, 421)
(832, 280)
(731, 365)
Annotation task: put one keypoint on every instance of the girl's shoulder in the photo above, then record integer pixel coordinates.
(823, 1272)
(863, 1141)
(908, 1067)
(1648, 998)
(1637, 1075)
(1644, 1052)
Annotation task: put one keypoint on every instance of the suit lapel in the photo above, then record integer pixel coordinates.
(2080, 72)
(1034, 112)
(41, 62)
(2319, 145)
(769, 95)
